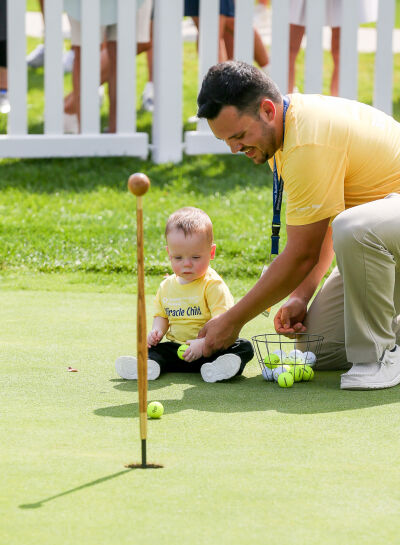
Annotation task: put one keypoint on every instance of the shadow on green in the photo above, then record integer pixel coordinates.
(242, 395)
(39, 503)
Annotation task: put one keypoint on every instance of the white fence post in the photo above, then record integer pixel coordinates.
(202, 140)
(167, 116)
(384, 57)
(90, 66)
(315, 15)
(208, 36)
(17, 75)
(208, 46)
(126, 67)
(348, 69)
(244, 33)
(53, 68)
(280, 43)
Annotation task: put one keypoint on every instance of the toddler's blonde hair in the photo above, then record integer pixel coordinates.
(190, 220)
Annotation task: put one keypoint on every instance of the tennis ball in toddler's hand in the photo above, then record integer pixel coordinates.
(308, 373)
(181, 350)
(155, 409)
(297, 372)
(267, 374)
(285, 380)
(272, 361)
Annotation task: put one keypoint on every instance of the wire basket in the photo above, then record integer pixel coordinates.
(303, 350)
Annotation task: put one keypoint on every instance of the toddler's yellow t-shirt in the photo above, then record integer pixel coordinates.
(188, 307)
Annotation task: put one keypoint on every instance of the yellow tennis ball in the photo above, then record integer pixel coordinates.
(308, 373)
(181, 350)
(285, 380)
(297, 372)
(155, 409)
(272, 361)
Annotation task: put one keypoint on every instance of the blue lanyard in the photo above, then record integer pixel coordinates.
(277, 193)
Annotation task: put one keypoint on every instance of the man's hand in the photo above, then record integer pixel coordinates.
(219, 334)
(289, 318)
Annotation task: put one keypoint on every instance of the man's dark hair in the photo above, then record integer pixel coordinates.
(235, 83)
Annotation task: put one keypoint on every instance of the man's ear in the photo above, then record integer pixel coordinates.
(267, 109)
(166, 247)
(213, 247)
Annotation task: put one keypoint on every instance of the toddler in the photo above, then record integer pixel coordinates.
(185, 301)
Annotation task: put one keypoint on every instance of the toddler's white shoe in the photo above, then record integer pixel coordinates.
(372, 376)
(126, 367)
(224, 367)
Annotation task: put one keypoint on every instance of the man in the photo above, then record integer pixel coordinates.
(340, 164)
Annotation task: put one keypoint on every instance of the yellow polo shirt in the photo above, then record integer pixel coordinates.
(337, 153)
(187, 307)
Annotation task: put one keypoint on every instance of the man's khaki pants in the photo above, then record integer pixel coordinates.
(357, 309)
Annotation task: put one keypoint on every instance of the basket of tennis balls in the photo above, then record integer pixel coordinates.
(287, 361)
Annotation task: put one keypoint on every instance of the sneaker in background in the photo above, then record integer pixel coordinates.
(35, 59)
(126, 367)
(223, 368)
(101, 95)
(71, 124)
(68, 60)
(4, 102)
(148, 97)
(372, 376)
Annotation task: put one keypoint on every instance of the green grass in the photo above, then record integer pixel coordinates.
(32, 5)
(64, 215)
(244, 462)
(75, 216)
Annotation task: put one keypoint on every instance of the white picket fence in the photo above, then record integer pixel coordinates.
(169, 142)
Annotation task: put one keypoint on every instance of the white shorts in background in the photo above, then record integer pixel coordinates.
(367, 12)
(104, 32)
(109, 32)
(143, 16)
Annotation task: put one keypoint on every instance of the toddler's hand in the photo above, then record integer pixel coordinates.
(154, 337)
(195, 350)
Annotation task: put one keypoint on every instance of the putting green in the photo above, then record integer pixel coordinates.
(245, 462)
